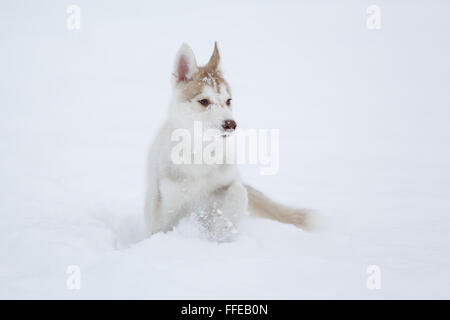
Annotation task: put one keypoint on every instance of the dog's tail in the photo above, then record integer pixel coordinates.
(260, 205)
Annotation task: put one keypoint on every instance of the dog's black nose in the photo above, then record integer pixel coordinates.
(229, 125)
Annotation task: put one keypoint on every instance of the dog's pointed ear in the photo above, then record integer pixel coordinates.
(214, 61)
(185, 65)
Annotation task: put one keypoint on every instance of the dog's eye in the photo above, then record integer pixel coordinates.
(228, 102)
(204, 102)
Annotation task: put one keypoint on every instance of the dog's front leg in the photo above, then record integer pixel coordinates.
(228, 206)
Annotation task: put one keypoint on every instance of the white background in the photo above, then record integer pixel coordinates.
(364, 140)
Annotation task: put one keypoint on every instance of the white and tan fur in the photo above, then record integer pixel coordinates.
(215, 193)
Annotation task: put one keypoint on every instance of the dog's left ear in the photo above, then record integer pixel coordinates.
(214, 61)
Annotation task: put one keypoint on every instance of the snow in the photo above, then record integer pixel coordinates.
(364, 141)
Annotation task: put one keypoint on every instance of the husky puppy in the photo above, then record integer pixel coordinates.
(214, 193)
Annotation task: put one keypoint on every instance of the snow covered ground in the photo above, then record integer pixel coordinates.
(364, 140)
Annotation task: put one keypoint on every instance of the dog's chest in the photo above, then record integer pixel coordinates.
(192, 183)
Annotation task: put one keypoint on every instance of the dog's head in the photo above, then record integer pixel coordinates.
(201, 93)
